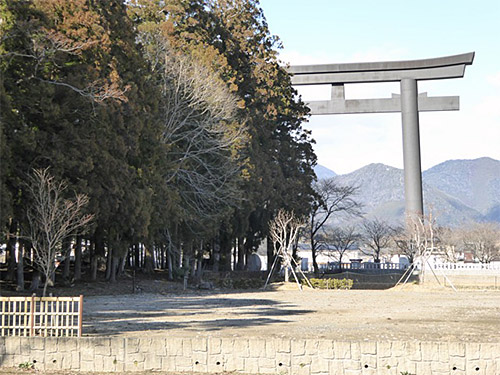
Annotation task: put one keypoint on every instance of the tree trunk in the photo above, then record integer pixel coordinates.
(78, 259)
(113, 269)
(170, 262)
(11, 251)
(109, 263)
(149, 263)
(240, 265)
(20, 267)
(270, 253)
(67, 261)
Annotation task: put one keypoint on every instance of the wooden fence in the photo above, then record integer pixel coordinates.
(41, 316)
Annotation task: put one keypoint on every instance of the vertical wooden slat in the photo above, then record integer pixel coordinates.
(3, 317)
(80, 316)
(32, 315)
(14, 310)
(57, 318)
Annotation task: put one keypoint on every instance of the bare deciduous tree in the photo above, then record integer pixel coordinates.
(342, 238)
(52, 219)
(377, 236)
(200, 129)
(332, 198)
(483, 239)
(417, 237)
(284, 230)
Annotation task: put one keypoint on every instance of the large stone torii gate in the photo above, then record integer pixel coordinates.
(409, 103)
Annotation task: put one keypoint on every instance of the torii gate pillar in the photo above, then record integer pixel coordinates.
(411, 147)
(409, 103)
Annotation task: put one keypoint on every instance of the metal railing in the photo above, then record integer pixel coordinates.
(41, 316)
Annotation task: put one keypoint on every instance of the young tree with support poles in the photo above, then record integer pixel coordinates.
(52, 219)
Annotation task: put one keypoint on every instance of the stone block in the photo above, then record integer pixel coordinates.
(312, 347)
(174, 346)
(87, 365)
(99, 363)
(352, 364)
(152, 362)
(158, 346)
(227, 345)
(319, 365)
(368, 347)
(51, 345)
(234, 364)
(168, 364)
(187, 348)
(214, 345)
(283, 345)
(368, 360)
(459, 363)
(336, 367)
(266, 363)
(444, 352)
(215, 364)
(301, 361)
(132, 345)
(399, 349)
(437, 367)
(326, 349)
(53, 361)
(424, 368)
(353, 372)
(387, 364)
(110, 364)
(368, 371)
(414, 350)
(456, 349)
(199, 344)
(283, 360)
(13, 345)
(271, 349)
(355, 351)
(473, 351)
(302, 370)
(430, 351)
(200, 358)
(384, 349)
(38, 343)
(241, 348)
(145, 344)
(489, 351)
(104, 350)
(298, 347)
(257, 348)
(342, 350)
(134, 362)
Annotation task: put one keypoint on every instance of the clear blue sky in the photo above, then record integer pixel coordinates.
(320, 31)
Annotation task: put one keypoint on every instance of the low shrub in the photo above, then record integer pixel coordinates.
(240, 283)
(330, 283)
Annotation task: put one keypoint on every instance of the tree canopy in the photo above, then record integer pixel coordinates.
(175, 118)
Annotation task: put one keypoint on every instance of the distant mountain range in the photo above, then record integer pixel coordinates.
(459, 191)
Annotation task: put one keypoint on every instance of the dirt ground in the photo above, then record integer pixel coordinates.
(408, 313)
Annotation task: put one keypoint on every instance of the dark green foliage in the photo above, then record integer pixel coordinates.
(84, 91)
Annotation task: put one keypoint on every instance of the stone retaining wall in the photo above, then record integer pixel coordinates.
(249, 355)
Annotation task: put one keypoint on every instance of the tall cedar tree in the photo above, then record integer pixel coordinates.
(79, 103)
(232, 37)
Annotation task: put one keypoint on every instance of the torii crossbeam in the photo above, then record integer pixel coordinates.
(409, 103)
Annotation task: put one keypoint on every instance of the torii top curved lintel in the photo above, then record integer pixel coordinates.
(388, 71)
(409, 102)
